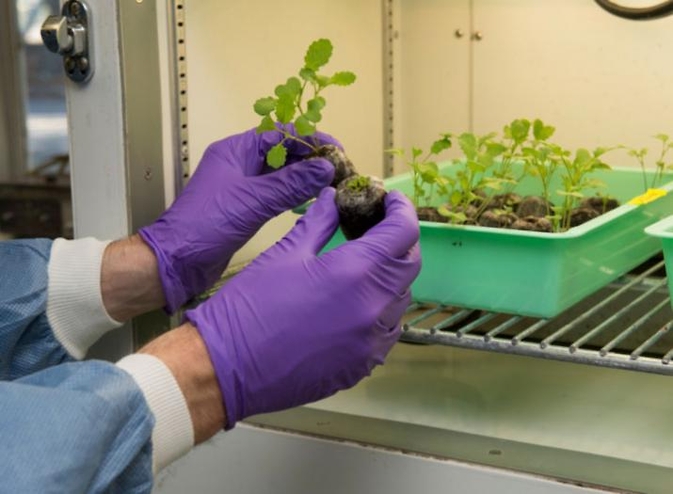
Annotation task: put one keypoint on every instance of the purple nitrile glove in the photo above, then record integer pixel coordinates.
(296, 326)
(229, 197)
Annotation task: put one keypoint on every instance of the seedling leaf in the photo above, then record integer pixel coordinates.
(304, 126)
(541, 131)
(264, 106)
(313, 109)
(440, 145)
(266, 125)
(318, 54)
(361, 182)
(285, 108)
(395, 151)
(322, 80)
(276, 156)
(468, 143)
(343, 78)
(518, 130)
(307, 74)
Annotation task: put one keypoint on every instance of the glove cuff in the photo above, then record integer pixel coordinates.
(175, 292)
(222, 355)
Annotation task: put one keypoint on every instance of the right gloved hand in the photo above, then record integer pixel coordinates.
(296, 326)
(230, 196)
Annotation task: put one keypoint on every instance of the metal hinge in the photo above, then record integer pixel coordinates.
(69, 35)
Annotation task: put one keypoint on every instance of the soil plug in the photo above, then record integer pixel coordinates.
(360, 202)
(343, 167)
(600, 204)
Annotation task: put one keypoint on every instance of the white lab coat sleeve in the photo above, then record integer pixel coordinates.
(51, 307)
(75, 308)
(173, 433)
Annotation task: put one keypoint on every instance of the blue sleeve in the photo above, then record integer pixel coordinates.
(27, 343)
(75, 427)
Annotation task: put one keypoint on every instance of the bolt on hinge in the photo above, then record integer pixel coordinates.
(69, 35)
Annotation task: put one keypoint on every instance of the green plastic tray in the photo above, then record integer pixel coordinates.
(531, 273)
(663, 230)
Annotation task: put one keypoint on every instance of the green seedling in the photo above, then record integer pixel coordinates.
(660, 164)
(475, 174)
(427, 181)
(300, 101)
(576, 180)
(516, 134)
(541, 159)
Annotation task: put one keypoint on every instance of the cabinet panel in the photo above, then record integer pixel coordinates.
(600, 79)
(433, 70)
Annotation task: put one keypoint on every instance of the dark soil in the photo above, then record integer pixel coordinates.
(600, 204)
(360, 208)
(428, 213)
(530, 212)
(343, 167)
(582, 215)
(497, 219)
(509, 201)
(533, 224)
(534, 206)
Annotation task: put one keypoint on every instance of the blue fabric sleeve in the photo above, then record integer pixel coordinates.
(76, 427)
(27, 343)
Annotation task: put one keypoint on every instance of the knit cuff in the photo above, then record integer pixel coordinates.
(173, 433)
(74, 302)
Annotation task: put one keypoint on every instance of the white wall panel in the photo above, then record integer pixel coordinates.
(600, 79)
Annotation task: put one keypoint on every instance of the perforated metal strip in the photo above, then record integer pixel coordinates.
(180, 84)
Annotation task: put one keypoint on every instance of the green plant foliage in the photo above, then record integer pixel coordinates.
(661, 164)
(299, 100)
(276, 156)
(318, 54)
(426, 178)
(358, 183)
(486, 169)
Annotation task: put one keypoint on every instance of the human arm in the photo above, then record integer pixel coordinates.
(57, 299)
(96, 426)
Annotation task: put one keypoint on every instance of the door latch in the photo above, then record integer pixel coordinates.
(69, 35)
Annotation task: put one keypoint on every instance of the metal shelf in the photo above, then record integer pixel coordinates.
(627, 325)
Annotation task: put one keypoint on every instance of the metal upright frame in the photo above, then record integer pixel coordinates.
(115, 127)
(13, 133)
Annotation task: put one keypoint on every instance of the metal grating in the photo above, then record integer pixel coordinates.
(627, 325)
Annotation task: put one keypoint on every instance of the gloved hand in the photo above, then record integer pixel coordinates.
(229, 197)
(295, 326)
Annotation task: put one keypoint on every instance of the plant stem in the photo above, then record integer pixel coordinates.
(287, 135)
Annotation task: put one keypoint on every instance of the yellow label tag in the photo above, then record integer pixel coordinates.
(648, 196)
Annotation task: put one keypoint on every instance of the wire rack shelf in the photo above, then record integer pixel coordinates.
(627, 325)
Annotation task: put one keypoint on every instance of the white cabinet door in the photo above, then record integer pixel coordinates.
(432, 70)
(600, 79)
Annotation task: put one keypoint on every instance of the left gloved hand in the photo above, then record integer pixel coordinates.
(296, 325)
(229, 197)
